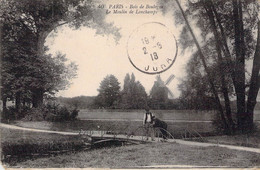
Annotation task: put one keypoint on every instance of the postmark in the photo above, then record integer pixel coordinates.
(152, 48)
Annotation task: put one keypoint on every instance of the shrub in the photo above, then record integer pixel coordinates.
(51, 112)
(74, 114)
(9, 113)
(61, 113)
(35, 114)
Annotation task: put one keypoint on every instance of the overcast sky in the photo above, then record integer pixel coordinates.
(98, 56)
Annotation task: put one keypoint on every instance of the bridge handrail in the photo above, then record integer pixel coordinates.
(192, 133)
(165, 131)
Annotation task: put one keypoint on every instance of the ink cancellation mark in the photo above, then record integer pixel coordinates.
(152, 48)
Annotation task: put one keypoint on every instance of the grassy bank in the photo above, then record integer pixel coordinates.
(248, 140)
(147, 155)
(119, 157)
(19, 145)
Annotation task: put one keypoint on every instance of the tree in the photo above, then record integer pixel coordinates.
(15, 61)
(195, 93)
(159, 94)
(133, 94)
(232, 26)
(39, 18)
(109, 91)
(23, 73)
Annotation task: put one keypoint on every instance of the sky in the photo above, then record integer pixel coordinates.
(98, 56)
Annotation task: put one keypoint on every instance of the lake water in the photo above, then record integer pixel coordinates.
(178, 122)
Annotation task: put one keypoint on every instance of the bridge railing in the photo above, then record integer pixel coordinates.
(140, 133)
(192, 134)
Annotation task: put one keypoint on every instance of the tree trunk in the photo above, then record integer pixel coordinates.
(18, 101)
(37, 98)
(240, 63)
(224, 45)
(254, 84)
(1, 67)
(4, 115)
(37, 94)
(206, 68)
(4, 104)
(221, 67)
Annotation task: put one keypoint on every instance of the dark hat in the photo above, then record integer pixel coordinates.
(146, 109)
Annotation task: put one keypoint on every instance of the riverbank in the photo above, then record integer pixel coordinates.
(150, 154)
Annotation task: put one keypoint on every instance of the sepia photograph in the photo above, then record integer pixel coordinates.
(130, 84)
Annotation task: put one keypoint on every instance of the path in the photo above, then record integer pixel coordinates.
(139, 138)
(140, 120)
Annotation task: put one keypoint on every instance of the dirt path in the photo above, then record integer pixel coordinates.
(240, 148)
(36, 130)
(190, 143)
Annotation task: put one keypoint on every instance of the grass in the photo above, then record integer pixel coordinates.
(126, 156)
(250, 140)
(147, 155)
(135, 155)
(16, 145)
(15, 136)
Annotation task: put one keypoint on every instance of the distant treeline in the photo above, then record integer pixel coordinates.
(88, 102)
(134, 96)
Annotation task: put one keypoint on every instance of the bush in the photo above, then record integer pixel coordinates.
(74, 114)
(51, 112)
(35, 114)
(9, 113)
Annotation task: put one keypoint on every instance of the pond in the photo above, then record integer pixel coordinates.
(179, 122)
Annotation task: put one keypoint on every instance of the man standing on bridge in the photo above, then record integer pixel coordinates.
(148, 124)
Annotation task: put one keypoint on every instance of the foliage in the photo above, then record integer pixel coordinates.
(49, 112)
(133, 95)
(80, 102)
(195, 93)
(109, 92)
(228, 38)
(8, 114)
(26, 24)
(158, 95)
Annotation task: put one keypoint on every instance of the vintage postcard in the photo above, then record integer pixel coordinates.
(130, 84)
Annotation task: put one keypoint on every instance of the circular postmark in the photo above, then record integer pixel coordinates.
(152, 48)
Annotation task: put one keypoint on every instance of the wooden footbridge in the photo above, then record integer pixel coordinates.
(104, 137)
(133, 136)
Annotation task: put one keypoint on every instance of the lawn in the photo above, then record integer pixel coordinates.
(19, 145)
(125, 156)
(248, 140)
(146, 155)
(128, 156)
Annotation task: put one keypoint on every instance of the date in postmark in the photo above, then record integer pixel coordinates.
(152, 48)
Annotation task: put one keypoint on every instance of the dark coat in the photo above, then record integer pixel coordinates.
(162, 125)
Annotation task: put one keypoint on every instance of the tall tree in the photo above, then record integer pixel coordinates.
(159, 94)
(195, 93)
(22, 72)
(109, 91)
(41, 17)
(133, 94)
(231, 23)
